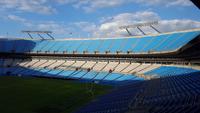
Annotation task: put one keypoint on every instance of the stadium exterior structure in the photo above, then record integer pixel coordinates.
(154, 73)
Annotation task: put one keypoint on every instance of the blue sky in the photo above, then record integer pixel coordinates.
(94, 18)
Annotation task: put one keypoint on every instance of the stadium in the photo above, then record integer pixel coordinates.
(149, 73)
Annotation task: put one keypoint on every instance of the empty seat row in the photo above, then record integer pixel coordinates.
(164, 71)
(102, 77)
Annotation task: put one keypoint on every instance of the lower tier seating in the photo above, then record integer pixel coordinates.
(99, 72)
(82, 75)
(169, 71)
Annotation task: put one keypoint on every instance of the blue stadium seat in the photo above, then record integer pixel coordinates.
(168, 39)
(180, 41)
(101, 75)
(64, 46)
(94, 45)
(90, 75)
(112, 77)
(154, 41)
(7, 45)
(170, 71)
(138, 48)
(117, 45)
(75, 44)
(175, 94)
(79, 74)
(130, 44)
(106, 45)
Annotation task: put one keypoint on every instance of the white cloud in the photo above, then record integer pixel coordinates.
(178, 24)
(55, 27)
(92, 5)
(16, 18)
(66, 1)
(35, 6)
(48, 6)
(110, 27)
(165, 2)
(86, 26)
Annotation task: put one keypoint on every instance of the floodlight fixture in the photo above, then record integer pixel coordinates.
(139, 25)
(38, 33)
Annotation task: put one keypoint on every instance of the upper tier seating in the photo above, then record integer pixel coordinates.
(139, 44)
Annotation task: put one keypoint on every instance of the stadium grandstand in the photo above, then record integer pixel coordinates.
(157, 73)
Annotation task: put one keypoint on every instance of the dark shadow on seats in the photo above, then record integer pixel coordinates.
(16, 46)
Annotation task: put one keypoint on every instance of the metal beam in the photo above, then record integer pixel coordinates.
(128, 32)
(36, 32)
(50, 36)
(139, 25)
(141, 31)
(40, 36)
(154, 28)
(30, 35)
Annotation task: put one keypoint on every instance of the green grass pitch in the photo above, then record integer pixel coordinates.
(41, 95)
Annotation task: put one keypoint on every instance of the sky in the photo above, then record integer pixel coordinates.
(94, 18)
